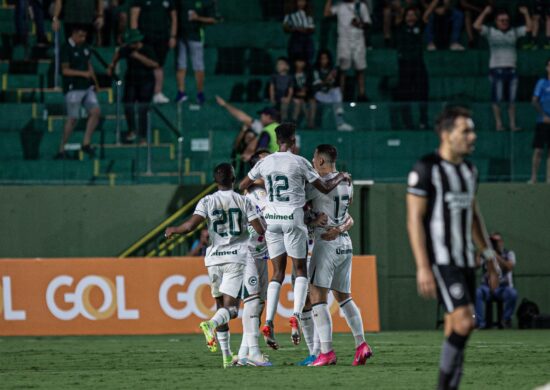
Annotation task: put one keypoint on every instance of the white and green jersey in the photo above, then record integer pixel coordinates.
(335, 204)
(285, 175)
(228, 215)
(256, 243)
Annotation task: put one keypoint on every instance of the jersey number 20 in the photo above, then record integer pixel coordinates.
(233, 217)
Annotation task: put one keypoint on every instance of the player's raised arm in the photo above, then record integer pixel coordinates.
(186, 227)
(416, 211)
(482, 241)
(326, 186)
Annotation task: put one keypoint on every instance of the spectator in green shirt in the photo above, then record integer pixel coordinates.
(85, 14)
(157, 21)
(193, 15)
(79, 81)
(139, 81)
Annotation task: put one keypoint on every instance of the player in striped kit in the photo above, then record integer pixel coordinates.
(444, 221)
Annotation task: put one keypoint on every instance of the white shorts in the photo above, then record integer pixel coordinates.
(256, 277)
(288, 237)
(226, 279)
(330, 265)
(81, 97)
(352, 51)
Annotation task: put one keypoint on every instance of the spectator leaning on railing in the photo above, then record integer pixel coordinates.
(503, 60)
(157, 21)
(79, 81)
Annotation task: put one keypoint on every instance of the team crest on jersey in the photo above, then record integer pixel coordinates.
(456, 291)
(252, 281)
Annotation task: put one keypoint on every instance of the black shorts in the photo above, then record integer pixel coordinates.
(542, 7)
(160, 46)
(456, 286)
(542, 136)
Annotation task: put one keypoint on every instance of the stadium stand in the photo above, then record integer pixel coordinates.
(241, 50)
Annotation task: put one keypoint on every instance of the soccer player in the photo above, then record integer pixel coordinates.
(256, 277)
(285, 175)
(442, 219)
(330, 267)
(228, 215)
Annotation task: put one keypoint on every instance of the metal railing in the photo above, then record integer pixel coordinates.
(154, 243)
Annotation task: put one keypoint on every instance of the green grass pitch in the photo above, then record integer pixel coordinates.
(506, 359)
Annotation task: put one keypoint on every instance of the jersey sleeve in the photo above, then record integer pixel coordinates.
(202, 208)
(254, 173)
(311, 192)
(521, 31)
(251, 213)
(365, 16)
(539, 88)
(484, 31)
(512, 257)
(419, 180)
(309, 172)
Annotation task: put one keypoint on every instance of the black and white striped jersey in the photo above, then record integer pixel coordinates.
(299, 19)
(450, 190)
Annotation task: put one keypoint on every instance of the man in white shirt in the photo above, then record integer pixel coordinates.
(228, 215)
(352, 16)
(285, 175)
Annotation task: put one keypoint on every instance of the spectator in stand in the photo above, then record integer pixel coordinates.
(505, 292)
(503, 60)
(264, 128)
(303, 98)
(157, 21)
(472, 9)
(352, 16)
(281, 87)
(115, 14)
(541, 101)
(192, 17)
(327, 91)
(413, 76)
(82, 14)
(444, 24)
(79, 83)
(240, 154)
(22, 20)
(393, 11)
(200, 244)
(541, 10)
(299, 24)
(139, 82)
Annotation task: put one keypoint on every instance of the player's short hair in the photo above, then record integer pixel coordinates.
(285, 132)
(257, 156)
(224, 174)
(446, 120)
(328, 151)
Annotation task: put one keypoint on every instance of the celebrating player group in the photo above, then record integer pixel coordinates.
(285, 195)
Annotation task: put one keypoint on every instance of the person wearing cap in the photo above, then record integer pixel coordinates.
(139, 80)
(264, 127)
